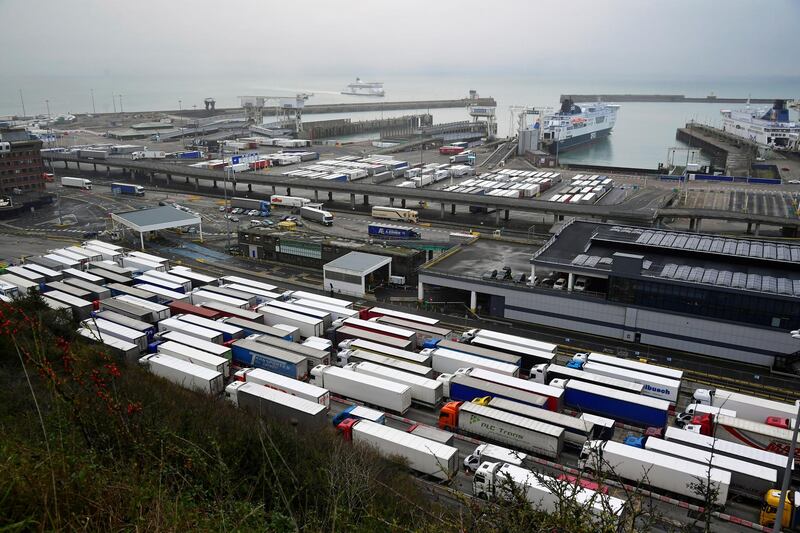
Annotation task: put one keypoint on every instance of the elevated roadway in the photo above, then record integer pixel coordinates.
(622, 212)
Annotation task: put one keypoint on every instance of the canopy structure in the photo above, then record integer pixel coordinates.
(357, 273)
(155, 219)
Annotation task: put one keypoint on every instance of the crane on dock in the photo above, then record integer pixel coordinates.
(288, 110)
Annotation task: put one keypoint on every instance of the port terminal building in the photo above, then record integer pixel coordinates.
(729, 298)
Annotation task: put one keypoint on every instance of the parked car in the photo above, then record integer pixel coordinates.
(560, 283)
(580, 284)
(222, 209)
(490, 274)
(547, 282)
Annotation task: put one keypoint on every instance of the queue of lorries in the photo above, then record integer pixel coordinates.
(284, 354)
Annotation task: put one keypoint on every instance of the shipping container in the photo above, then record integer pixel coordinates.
(274, 404)
(186, 375)
(291, 386)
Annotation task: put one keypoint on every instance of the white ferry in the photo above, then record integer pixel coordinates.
(577, 124)
(768, 128)
(365, 88)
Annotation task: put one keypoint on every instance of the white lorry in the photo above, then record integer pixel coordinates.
(78, 183)
(368, 389)
(187, 375)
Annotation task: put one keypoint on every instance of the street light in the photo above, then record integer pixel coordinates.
(787, 473)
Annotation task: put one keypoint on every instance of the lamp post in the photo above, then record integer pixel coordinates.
(787, 474)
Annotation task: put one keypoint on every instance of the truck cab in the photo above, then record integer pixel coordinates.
(769, 509)
(491, 452)
(448, 416)
(359, 412)
(482, 482)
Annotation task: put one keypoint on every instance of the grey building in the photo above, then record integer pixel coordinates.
(734, 299)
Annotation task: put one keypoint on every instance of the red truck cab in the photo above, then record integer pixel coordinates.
(448, 416)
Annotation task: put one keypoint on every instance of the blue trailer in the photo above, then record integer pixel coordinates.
(634, 409)
(256, 328)
(194, 154)
(127, 188)
(255, 354)
(391, 231)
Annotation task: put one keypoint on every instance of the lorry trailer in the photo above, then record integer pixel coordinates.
(128, 322)
(422, 455)
(359, 412)
(431, 433)
(79, 183)
(337, 313)
(654, 469)
(376, 312)
(248, 282)
(731, 449)
(118, 289)
(544, 373)
(479, 351)
(107, 327)
(634, 409)
(655, 386)
(637, 366)
(260, 295)
(448, 362)
(259, 328)
(746, 406)
(530, 355)
(173, 282)
(48, 273)
(383, 349)
(345, 357)
(173, 324)
(766, 437)
(186, 375)
(423, 390)
(336, 302)
(82, 275)
(511, 339)
(274, 404)
(461, 386)
(301, 389)
(395, 213)
(505, 428)
(197, 279)
(188, 340)
(229, 331)
(125, 349)
(501, 481)
(746, 478)
(163, 296)
(346, 332)
(392, 231)
(233, 294)
(315, 356)
(308, 326)
(203, 296)
(493, 452)
(195, 356)
(382, 329)
(251, 353)
(232, 311)
(364, 388)
(312, 312)
(577, 430)
(81, 309)
(128, 309)
(127, 188)
(316, 215)
(423, 331)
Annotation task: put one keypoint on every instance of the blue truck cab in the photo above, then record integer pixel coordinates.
(359, 412)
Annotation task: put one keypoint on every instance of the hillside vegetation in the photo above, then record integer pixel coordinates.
(88, 442)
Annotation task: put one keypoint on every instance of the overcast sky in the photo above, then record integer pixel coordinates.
(612, 38)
